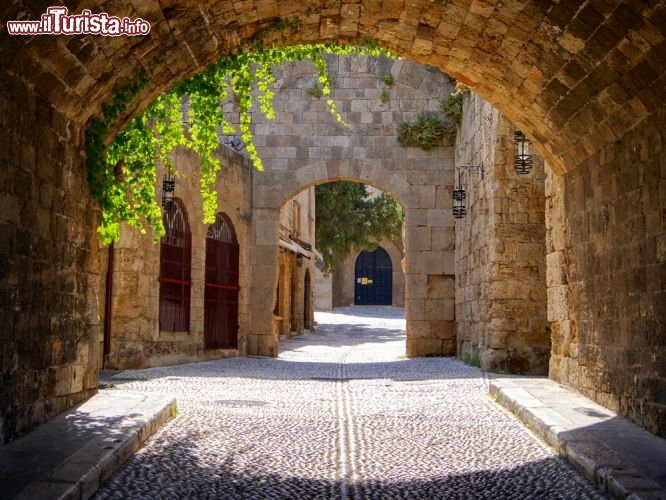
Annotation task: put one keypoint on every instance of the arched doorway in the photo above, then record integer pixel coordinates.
(221, 293)
(307, 301)
(373, 279)
(175, 270)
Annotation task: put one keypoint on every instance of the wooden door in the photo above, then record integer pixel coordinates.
(175, 272)
(221, 293)
(373, 278)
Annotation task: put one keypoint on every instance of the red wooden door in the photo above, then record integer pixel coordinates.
(175, 273)
(221, 294)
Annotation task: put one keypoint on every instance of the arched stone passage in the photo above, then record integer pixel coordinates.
(584, 80)
(304, 146)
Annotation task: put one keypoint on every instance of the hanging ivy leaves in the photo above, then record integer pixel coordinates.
(123, 175)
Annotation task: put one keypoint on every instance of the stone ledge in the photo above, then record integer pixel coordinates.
(111, 425)
(608, 450)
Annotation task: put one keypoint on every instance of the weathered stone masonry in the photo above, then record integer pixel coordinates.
(49, 263)
(136, 339)
(607, 275)
(306, 146)
(500, 274)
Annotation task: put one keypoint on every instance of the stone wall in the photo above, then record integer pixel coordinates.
(48, 263)
(500, 274)
(323, 291)
(136, 340)
(607, 275)
(586, 81)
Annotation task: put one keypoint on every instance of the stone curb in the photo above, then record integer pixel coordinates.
(84, 472)
(602, 466)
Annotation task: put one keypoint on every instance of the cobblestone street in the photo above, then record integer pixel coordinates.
(340, 414)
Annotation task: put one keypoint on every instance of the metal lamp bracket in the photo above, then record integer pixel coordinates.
(479, 167)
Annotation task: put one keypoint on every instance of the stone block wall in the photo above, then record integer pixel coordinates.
(48, 263)
(500, 250)
(323, 291)
(607, 275)
(136, 340)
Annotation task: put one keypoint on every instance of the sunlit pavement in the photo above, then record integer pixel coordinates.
(340, 414)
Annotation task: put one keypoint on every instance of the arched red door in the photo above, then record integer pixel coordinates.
(175, 271)
(221, 293)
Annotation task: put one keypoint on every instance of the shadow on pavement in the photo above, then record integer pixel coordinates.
(238, 476)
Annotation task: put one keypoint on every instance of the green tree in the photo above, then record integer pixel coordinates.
(346, 220)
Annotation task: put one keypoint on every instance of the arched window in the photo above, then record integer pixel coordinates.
(175, 270)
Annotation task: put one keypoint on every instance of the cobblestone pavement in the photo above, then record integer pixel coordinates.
(340, 414)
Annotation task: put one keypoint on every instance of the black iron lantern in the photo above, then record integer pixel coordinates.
(523, 160)
(459, 196)
(459, 209)
(168, 188)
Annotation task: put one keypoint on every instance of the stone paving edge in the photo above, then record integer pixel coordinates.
(83, 473)
(602, 466)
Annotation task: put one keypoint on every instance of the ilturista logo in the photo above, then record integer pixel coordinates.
(55, 21)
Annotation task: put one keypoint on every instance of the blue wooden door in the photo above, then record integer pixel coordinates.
(373, 278)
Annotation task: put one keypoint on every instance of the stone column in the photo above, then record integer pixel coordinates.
(264, 274)
(429, 270)
(564, 331)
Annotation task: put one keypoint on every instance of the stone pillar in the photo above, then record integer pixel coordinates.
(264, 270)
(564, 339)
(429, 276)
(500, 250)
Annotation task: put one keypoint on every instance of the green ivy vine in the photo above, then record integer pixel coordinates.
(426, 132)
(452, 105)
(123, 174)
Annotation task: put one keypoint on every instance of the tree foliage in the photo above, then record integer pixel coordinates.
(123, 174)
(346, 220)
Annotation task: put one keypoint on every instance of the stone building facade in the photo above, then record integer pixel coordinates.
(344, 285)
(305, 146)
(304, 136)
(294, 295)
(584, 80)
(138, 335)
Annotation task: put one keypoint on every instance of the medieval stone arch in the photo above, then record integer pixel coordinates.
(584, 80)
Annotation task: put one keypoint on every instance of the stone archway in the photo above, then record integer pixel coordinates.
(585, 81)
(313, 149)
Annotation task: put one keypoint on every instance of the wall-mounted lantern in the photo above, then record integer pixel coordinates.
(299, 260)
(459, 195)
(459, 209)
(523, 160)
(168, 188)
